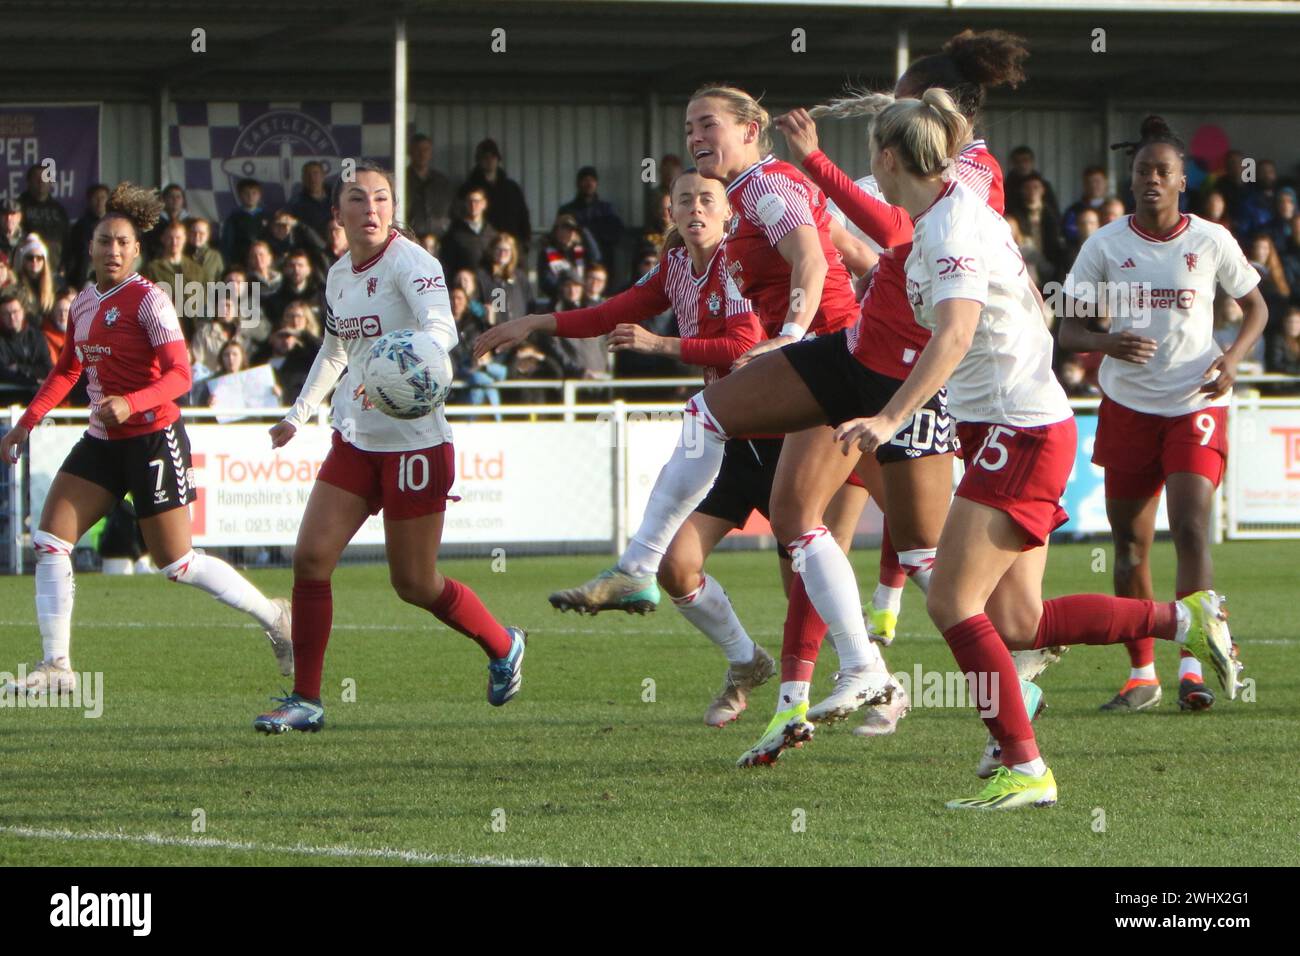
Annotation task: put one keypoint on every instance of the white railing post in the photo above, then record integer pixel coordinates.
(620, 476)
(16, 499)
(570, 398)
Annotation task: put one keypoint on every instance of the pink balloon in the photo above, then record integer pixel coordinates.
(1209, 144)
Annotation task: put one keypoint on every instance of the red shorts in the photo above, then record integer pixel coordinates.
(1139, 451)
(405, 484)
(1020, 471)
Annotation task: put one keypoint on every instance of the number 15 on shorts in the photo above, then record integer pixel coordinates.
(993, 455)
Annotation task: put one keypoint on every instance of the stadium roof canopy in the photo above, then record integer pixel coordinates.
(1241, 50)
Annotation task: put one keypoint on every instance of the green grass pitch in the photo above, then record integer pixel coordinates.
(580, 769)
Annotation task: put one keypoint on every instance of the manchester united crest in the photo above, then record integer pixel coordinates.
(371, 285)
(1190, 259)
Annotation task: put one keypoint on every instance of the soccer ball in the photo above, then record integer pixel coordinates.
(407, 374)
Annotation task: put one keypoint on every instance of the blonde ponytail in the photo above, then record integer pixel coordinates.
(854, 102)
(926, 133)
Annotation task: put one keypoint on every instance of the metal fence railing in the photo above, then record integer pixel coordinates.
(1238, 512)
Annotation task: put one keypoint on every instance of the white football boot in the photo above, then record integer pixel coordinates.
(48, 677)
(881, 719)
(854, 688)
(1031, 664)
(741, 679)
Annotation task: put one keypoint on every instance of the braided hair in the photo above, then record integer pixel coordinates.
(1154, 130)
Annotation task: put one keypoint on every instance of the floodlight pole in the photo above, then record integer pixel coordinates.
(399, 115)
(902, 54)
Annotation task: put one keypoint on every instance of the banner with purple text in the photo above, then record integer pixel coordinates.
(63, 137)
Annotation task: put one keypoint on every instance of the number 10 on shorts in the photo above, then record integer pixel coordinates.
(413, 472)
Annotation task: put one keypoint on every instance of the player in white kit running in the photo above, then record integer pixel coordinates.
(385, 282)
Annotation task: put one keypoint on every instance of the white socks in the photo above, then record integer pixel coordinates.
(1035, 767)
(225, 584)
(792, 692)
(1145, 672)
(54, 591)
(682, 484)
(887, 599)
(1189, 667)
(833, 591)
(918, 564)
(710, 610)
(1184, 622)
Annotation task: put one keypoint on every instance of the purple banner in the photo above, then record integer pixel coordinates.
(68, 135)
(213, 145)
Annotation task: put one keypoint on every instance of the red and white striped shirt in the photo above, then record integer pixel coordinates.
(129, 343)
(770, 199)
(716, 323)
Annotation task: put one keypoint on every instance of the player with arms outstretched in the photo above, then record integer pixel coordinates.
(385, 282)
(969, 64)
(911, 475)
(123, 333)
(1166, 384)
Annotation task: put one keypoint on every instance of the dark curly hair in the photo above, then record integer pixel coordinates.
(971, 63)
(138, 205)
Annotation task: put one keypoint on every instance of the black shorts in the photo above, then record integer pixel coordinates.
(847, 389)
(154, 468)
(744, 483)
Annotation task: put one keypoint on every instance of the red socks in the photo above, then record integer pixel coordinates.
(803, 635)
(892, 574)
(1142, 651)
(459, 608)
(980, 652)
(313, 615)
(1102, 619)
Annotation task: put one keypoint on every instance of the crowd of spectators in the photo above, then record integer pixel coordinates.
(481, 230)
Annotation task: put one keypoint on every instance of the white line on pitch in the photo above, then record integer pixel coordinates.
(210, 843)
